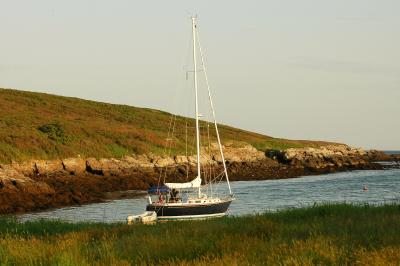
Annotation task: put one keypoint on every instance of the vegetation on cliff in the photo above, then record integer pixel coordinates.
(42, 126)
(320, 235)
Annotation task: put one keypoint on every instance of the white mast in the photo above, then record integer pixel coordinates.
(196, 99)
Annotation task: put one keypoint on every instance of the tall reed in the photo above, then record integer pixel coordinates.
(337, 234)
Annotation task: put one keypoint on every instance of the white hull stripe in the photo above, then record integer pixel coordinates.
(189, 217)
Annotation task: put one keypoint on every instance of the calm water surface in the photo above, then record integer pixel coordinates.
(392, 152)
(259, 196)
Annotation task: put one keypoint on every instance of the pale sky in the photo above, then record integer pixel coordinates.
(300, 69)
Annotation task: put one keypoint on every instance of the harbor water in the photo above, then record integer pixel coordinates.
(259, 196)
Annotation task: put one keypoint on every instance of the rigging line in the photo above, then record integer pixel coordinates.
(186, 150)
(186, 153)
(219, 179)
(219, 185)
(167, 140)
(203, 155)
(209, 152)
(170, 142)
(206, 157)
(213, 112)
(218, 176)
(165, 149)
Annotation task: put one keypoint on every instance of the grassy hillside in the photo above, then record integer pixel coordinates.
(43, 126)
(321, 235)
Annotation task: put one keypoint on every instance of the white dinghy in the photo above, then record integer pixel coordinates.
(147, 217)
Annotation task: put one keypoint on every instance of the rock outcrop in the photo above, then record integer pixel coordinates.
(43, 167)
(21, 193)
(337, 156)
(244, 153)
(139, 161)
(39, 184)
(379, 156)
(26, 168)
(74, 166)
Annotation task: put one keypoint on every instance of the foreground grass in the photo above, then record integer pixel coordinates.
(324, 235)
(43, 126)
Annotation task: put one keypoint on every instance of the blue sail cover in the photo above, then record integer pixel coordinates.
(158, 190)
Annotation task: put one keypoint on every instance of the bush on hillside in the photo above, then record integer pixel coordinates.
(55, 131)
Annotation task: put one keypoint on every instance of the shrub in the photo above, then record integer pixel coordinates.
(55, 131)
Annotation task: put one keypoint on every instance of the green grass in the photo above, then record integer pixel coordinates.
(321, 235)
(43, 126)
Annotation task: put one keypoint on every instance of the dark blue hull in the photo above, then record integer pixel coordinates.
(190, 210)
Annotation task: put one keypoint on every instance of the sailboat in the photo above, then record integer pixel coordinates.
(164, 199)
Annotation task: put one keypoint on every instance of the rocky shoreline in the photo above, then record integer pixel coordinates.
(39, 184)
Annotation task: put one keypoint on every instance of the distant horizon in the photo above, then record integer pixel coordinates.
(318, 70)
